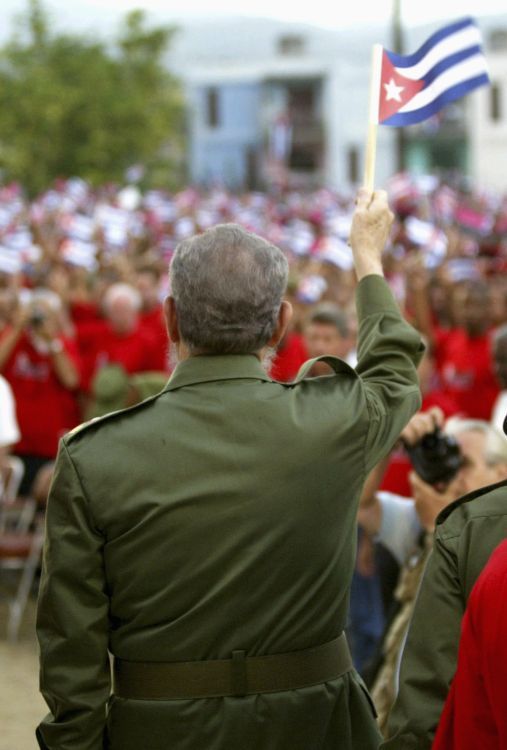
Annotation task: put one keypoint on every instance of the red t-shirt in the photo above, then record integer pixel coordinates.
(99, 345)
(466, 369)
(45, 408)
(153, 322)
(289, 358)
(475, 712)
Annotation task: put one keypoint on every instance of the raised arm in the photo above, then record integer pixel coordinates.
(389, 349)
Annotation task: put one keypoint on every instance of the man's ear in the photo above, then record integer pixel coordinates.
(284, 318)
(171, 320)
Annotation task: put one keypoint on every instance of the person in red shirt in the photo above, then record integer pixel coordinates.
(119, 338)
(43, 369)
(151, 316)
(464, 354)
(463, 349)
(475, 712)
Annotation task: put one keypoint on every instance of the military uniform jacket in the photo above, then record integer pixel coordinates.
(467, 532)
(219, 515)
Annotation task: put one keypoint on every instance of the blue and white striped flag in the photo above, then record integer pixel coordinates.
(449, 65)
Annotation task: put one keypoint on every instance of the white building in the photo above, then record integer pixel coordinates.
(488, 119)
(253, 73)
(244, 76)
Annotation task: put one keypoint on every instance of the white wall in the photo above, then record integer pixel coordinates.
(346, 116)
(488, 139)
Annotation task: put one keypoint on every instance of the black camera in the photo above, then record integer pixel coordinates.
(37, 317)
(436, 458)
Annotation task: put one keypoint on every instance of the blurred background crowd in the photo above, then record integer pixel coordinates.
(83, 273)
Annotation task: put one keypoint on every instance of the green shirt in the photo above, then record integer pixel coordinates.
(219, 515)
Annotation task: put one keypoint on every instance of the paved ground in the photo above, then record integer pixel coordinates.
(21, 706)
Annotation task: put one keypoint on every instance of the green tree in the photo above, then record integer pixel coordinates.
(70, 105)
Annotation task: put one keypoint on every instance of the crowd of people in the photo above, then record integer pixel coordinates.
(82, 333)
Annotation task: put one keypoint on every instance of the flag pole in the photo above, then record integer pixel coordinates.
(371, 142)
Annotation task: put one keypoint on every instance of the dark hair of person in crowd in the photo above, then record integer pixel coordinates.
(328, 314)
(473, 302)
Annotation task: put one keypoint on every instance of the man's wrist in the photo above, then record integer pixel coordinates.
(368, 267)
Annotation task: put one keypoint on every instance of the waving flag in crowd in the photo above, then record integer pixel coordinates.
(449, 65)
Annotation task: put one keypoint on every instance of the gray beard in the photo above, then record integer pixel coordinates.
(267, 360)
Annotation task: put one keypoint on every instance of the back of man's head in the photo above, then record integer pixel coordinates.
(227, 286)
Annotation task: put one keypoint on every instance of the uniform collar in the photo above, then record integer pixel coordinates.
(208, 367)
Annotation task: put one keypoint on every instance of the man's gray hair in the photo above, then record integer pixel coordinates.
(227, 286)
(495, 446)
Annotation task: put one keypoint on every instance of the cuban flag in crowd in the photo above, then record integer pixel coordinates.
(449, 65)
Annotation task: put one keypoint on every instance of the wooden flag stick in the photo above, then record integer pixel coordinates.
(371, 142)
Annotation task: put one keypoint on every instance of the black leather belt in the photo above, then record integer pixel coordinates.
(242, 675)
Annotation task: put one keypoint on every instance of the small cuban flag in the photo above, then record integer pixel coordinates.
(449, 65)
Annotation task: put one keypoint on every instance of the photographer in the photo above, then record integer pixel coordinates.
(404, 525)
(42, 368)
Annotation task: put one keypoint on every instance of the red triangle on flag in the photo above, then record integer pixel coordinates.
(395, 89)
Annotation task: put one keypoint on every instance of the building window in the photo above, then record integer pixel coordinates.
(304, 158)
(291, 44)
(495, 102)
(212, 108)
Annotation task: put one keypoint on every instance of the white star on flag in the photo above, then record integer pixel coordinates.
(393, 91)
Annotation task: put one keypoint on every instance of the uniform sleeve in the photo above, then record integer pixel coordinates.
(389, 350)
(72, 619)
(429, 658)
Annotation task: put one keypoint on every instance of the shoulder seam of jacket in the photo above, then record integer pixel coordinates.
(83, 490)
(454, 535)
(85, 426)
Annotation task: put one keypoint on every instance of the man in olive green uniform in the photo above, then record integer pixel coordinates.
(205, 538)
(467, 532)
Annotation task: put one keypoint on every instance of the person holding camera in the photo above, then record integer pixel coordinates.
(448, 461)
(42, 368)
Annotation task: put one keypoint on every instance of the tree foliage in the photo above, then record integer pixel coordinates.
(71, 105)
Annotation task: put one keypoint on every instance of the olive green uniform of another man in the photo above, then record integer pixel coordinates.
(218, 519)
(466, 534)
